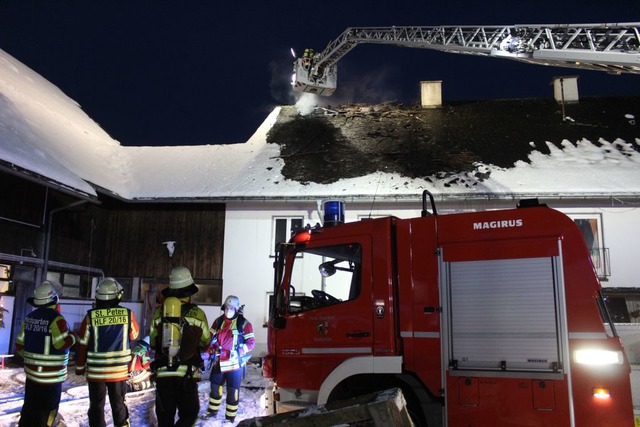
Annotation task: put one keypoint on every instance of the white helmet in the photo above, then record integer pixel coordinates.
(44, 294)
(108, 289)
(232, 301)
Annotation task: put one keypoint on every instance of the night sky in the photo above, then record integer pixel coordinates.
(204, 72)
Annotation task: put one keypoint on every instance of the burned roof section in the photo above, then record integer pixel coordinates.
(355, 139)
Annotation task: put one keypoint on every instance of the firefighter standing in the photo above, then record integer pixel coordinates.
(104, 352)
(179, 334)
(233, 339)
(44, 341)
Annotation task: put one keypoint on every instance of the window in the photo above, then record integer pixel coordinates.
(73, 285)
(6, 287)
(591, 227)
(325, 276)
(282, 230)
(70, 285)
(209, 292)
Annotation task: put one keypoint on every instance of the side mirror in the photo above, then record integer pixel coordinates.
(327, 269)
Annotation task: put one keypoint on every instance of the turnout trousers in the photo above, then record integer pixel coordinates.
(233, 380)
(97, 395)
(177, 393)
(40, 405)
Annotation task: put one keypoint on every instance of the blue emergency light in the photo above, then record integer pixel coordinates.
(333, 212)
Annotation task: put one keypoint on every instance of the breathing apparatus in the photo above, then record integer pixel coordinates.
(171, 329)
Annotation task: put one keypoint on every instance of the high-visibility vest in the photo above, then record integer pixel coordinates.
(107, 336)
(43, 342)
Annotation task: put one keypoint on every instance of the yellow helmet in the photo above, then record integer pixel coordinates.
(180, 283)
(108, 289)
(180, 277)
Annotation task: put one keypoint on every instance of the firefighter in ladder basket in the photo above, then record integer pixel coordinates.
(233, 339)
(179, 334)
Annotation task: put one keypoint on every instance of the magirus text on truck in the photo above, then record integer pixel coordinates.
(482, 319)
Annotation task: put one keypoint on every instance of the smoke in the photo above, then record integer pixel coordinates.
(280, 82)
(380, 85)
(307, 102)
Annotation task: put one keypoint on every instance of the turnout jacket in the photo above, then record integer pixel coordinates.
(195, 340)
(44, 341)
(233, 338)
(104, 344)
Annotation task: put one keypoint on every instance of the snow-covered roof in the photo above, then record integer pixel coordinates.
(44, 132)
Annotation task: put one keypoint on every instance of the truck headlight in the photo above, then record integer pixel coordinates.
(598, 357)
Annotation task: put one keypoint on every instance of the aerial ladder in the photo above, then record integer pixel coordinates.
(613, 48)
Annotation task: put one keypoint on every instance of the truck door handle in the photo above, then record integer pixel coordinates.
(358, 334)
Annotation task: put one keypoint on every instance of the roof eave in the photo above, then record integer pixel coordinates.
(46, 181)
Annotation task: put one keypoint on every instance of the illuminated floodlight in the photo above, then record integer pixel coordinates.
(598, 357)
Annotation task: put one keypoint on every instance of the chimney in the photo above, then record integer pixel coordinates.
(431, 93)
(565, 89)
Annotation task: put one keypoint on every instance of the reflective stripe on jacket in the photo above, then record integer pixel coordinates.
(228, 336)
(44, 341)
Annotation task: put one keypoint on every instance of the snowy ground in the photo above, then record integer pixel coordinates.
(75, 403)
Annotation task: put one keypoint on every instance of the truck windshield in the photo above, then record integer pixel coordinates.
(324, 276)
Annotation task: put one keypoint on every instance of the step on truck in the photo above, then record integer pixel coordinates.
(489, 318)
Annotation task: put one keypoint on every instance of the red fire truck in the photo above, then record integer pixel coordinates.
(482, 319)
